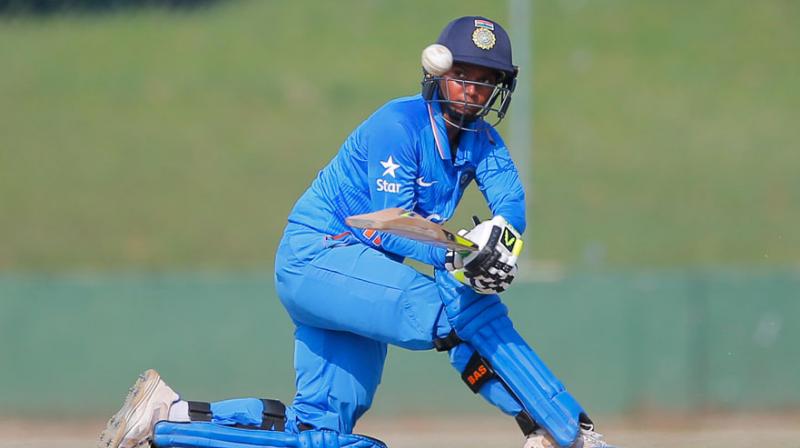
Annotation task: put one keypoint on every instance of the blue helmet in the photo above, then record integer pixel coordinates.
(478, 41)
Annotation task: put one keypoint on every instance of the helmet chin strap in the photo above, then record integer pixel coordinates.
(462, 120)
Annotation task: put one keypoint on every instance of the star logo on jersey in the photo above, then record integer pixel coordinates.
(390, 167)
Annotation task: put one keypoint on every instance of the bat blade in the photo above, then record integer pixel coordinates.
(398, 221)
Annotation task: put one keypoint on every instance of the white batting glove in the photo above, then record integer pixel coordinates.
(492, 268)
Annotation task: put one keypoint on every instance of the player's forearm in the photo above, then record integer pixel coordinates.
(506, 197)
(498, 179)
(513, 210)
(424, 253)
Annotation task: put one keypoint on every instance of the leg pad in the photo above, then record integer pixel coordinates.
(210, 435)
(482, 321)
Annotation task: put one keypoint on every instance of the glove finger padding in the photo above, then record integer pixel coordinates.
(484, 284)
(493, 267)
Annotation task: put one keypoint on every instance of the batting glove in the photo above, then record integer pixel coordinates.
(492, 268)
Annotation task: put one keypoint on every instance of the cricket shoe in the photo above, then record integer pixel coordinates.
(147, 403)
(587, 438)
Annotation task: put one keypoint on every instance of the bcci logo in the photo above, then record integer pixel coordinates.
(483, 37)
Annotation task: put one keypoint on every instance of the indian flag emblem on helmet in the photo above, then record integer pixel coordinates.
(483, 38)
(480, 23)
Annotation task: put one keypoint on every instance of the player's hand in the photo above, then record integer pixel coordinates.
(494, 266)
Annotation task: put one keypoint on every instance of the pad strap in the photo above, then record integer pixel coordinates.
(448, 342)
(199, 411)
(273, 415)
(526, 423)
(477, 373)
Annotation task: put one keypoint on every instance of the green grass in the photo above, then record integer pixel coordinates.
(665, 132)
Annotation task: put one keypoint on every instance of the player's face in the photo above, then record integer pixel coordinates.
(472, 95)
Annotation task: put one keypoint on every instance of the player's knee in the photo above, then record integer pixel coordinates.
(421, 322)
(466, 310)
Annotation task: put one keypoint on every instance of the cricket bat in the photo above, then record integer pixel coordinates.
(398, 221)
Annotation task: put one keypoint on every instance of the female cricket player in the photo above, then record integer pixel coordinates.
(350, 295)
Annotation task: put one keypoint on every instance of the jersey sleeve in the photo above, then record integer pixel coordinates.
(498, 180)
(392, 162)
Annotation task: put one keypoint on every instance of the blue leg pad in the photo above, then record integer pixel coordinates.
(542, 394)
(494, 391)
(482, 321)
(210, 435)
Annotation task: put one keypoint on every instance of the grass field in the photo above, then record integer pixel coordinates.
(477, 432)
(665, 132)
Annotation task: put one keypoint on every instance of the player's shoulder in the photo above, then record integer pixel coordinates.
(489, 139)
(494, 138)
(413, 104)
(409, 112)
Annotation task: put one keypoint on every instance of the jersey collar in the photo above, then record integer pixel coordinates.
(439, 130)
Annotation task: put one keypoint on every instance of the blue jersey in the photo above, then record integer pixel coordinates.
(400, 157)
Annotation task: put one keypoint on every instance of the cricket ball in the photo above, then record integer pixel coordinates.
(437, 59)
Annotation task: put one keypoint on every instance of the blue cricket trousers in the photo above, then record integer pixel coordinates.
(348, 302)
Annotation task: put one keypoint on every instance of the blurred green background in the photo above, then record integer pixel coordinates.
(149, 157)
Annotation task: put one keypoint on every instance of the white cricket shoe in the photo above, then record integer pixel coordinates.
(587, 438)
(147, 403)
(592, 438)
